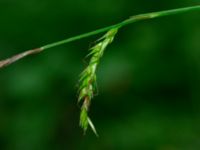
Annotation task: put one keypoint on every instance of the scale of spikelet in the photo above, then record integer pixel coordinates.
(87, 82)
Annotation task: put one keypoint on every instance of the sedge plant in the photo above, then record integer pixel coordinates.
(87, 81)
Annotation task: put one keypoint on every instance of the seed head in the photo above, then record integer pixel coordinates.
(87, 81)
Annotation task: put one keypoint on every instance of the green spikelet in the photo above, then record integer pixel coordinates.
(87, 82)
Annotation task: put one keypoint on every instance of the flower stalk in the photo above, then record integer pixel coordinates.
(131, 20)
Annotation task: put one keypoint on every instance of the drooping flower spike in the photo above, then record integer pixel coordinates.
(87, 82)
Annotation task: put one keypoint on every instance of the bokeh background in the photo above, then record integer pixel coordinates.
(148, 80)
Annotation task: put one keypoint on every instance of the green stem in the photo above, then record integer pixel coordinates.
(126, 22)
(132, 19)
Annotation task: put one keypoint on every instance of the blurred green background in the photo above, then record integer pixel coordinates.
(148, 79)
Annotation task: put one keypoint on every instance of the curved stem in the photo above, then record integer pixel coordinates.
(126, 22)
(132, 19)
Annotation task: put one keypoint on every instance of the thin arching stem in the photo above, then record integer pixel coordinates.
(131, 20)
